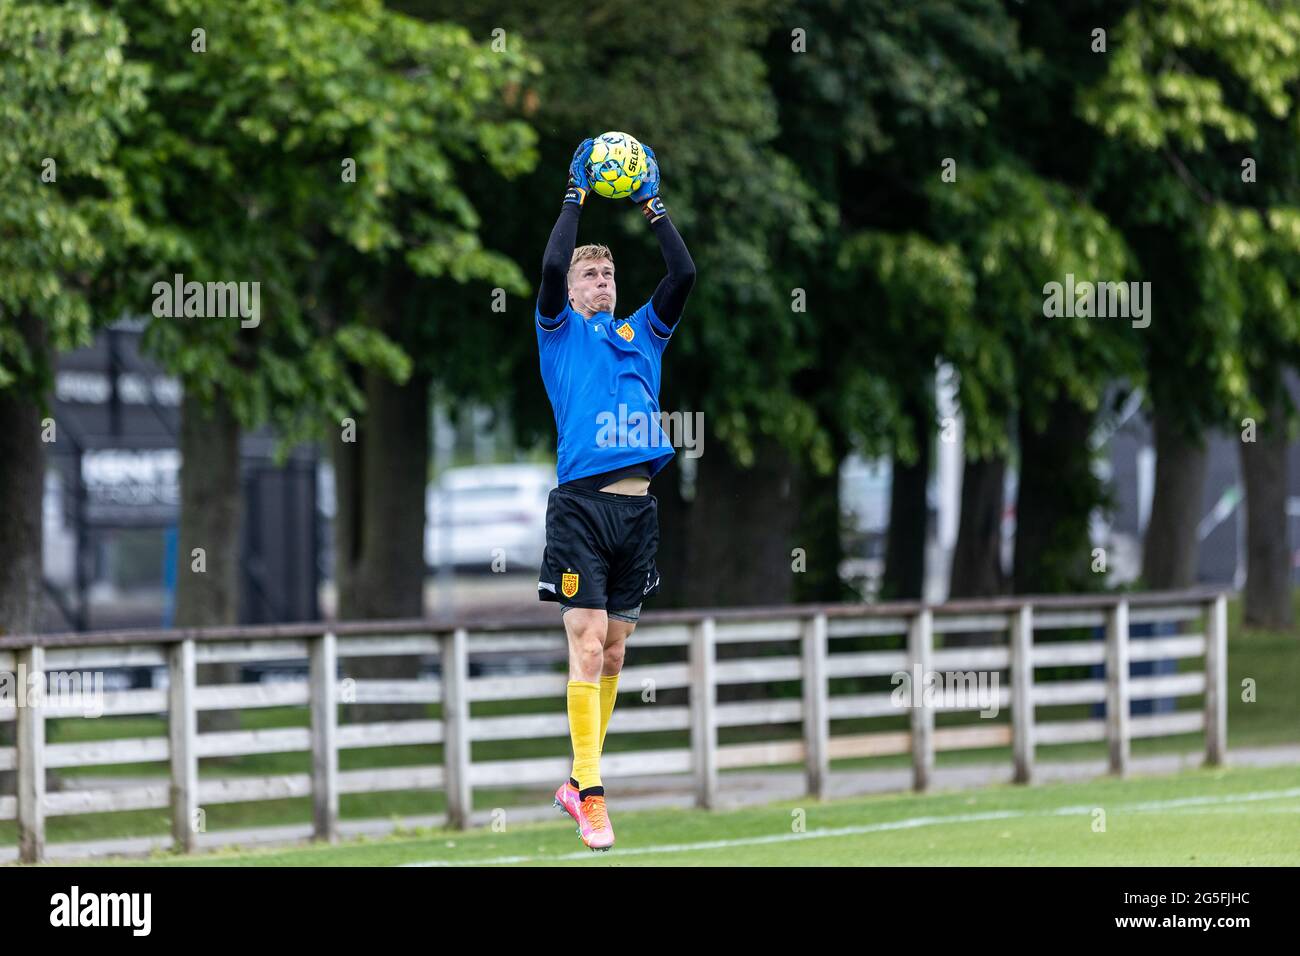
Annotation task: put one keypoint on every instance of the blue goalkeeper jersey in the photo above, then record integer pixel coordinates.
(602, 377)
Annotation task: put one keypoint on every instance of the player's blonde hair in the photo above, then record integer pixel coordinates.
(590, 252)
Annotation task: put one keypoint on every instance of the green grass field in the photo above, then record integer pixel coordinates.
(1232, 817)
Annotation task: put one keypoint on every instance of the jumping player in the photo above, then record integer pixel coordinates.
(602, 523)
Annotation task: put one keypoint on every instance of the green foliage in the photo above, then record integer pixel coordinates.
(880, 77)
(1020, 232)
(67, 94)
(922, 297)
(815, 172)
(863, 112)
(1158, 91)
(1263, 284)
(1194, 91)
(237, 170)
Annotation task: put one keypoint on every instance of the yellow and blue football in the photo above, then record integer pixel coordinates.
(617, 165)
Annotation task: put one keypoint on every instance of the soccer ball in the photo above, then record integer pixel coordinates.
(617, 165)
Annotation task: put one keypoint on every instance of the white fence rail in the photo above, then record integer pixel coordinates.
(828, 648)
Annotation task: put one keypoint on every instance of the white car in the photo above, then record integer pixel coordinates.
(480, 516)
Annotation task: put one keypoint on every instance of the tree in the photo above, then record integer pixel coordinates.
(1051, 367)
(920, 293)
(1026, 130)
(1266, 252)
(310, 149)
(885, 100)
(1195, 95)
(68, 93)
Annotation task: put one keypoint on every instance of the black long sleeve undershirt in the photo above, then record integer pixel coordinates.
(554, 293)
(669, 296)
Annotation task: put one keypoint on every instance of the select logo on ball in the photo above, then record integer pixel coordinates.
(616, 165)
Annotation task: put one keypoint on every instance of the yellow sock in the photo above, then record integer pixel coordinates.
(584, 732)
(608, 694)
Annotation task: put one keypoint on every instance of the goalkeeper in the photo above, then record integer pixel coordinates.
(602, 524)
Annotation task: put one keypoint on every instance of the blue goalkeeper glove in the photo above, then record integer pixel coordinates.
(647, 197)
(579, 184)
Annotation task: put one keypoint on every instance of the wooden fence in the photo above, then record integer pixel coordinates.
(1014, 638)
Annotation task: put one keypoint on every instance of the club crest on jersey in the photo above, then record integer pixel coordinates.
(568, 584)
(626, 331)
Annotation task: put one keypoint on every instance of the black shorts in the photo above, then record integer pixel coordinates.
(600, 549)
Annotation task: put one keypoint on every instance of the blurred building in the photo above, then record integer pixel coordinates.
(112, 497)
(1125, 461)
(1221, 559)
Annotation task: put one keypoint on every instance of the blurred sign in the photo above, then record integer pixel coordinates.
(131, 487)
(95, 388)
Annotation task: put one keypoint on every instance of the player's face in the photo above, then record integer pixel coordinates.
(591, 286)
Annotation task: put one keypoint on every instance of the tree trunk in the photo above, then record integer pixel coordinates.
(1170, 545)
(1268, 553)
(674, 532)
(22, 484)
(207, 593)
(380, 481)
(1057, 493)
(818, 534)
(977, 555)
(909, 518)
(740, 530)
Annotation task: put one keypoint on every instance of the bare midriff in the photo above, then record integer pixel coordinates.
(634, 485)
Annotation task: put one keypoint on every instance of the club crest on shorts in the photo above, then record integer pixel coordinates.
(568, 584)
(626, 331)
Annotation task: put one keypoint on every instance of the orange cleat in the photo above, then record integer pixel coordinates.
(593, 824)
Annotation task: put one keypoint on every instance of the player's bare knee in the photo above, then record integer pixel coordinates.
(592, 632)
(586, 649)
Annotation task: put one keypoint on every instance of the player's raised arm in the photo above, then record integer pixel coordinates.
(670, 296)
(554, 293)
